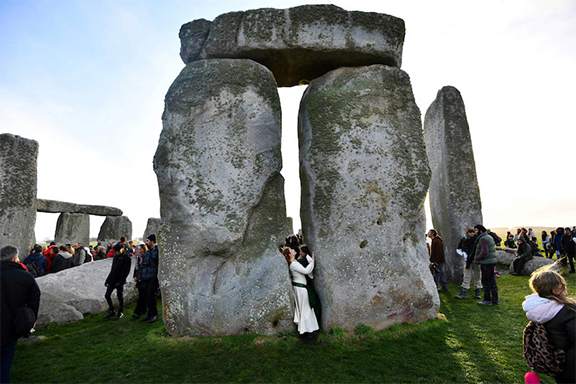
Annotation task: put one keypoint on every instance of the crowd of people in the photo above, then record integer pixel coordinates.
(548, 306)
(21, 294)
(549, 337)
(55, 257)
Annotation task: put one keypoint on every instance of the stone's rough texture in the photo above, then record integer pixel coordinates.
(533, 265)
(364, 178)
(454, 193)
(53, 206)
(192, 37)
(18, 185)
(222, 202)
(297, 44)
(114, 227)
(69, 294)
(72, 228)
(152, 227)
(507, 257)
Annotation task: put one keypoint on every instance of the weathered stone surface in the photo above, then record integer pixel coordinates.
(222, 202)
(18, 186)
(297, 44)
(534, 264)
(454, 193)
(54, 206)
(114, 227)
(70, 294)
(72, 228)
(364, 179)
(507, 256)
(152, 227)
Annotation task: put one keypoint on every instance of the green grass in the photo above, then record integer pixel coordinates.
(473, 344)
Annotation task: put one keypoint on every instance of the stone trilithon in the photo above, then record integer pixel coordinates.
(364, 173)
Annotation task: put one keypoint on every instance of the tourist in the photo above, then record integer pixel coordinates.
(116, 279)
(149, 278)
(550, 305)
(141, 302)
(569, 247)
(471, 270)
(532, 235)
(545, 244)
(558, 242)
(80, 255)
(485, 255)
(50, 259)
(510, 242)
(304, 316)
(303, 258)
(524, 255)
(36, 262)
(437, 260)
(19, 291)
(63, 260)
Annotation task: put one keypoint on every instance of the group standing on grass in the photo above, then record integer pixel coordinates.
(145, 275)
(478, 249)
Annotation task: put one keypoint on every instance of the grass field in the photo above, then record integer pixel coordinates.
(469, 343)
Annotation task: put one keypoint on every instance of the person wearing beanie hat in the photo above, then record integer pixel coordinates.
(149, 278)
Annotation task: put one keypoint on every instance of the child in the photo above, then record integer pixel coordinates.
(550, 305)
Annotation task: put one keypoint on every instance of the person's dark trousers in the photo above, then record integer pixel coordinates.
(119, 294)
(489, 283)
(519, 263)
(571, 261)
(7, 357)
(141, 303)
(150, 287)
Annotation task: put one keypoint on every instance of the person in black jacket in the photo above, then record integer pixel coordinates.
(19, 289)
(550, 305)
(116, 279)
(471, 270)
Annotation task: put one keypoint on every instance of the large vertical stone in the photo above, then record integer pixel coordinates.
(364, 179)
(18, 187)
(222, 203)
(72, 228)
(115, 227)
(454, 193)
(152, 227)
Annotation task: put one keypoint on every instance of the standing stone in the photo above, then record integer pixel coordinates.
(222, 203)
(364, 179)
(454, 193)
(114, 227)
(72, 228)
(18, 186)
(152, 227)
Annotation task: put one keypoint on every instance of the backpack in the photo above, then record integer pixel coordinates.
(539, 352)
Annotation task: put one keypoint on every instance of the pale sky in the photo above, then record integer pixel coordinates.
(87, 80)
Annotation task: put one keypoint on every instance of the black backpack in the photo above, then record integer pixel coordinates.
(539, 351)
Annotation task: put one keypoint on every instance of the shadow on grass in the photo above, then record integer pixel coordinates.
(475, 344)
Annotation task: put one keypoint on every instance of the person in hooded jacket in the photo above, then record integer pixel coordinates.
(19, 289)
(63, 260)
(121, 264)
(550, 305)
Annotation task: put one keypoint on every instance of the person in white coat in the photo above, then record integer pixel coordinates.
(304, 315)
